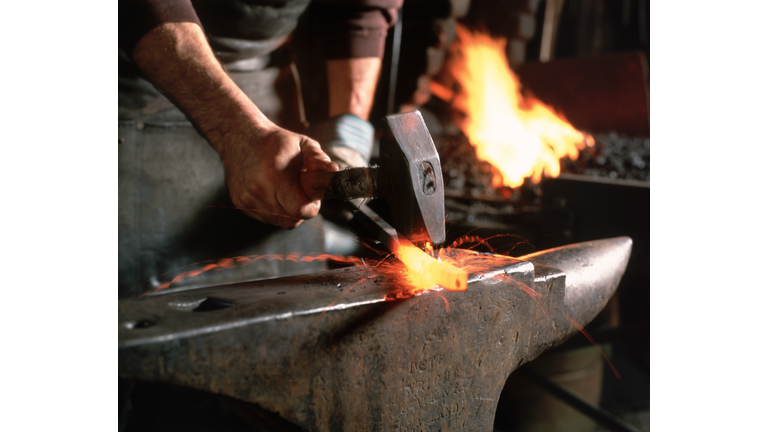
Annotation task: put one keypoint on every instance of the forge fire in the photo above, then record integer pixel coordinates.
(516, 133)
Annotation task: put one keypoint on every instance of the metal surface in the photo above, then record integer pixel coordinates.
(410, 178)
(584, 263)
(415, 194)
(355, 349)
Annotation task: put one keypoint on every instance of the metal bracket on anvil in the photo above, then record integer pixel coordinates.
(352, 349)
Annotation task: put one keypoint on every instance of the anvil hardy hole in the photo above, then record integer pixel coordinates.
(187, 305)
(212, 304)
(140, 324)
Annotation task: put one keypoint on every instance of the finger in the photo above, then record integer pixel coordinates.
(314, 158)
(278, 215)
(262, 214)
(277, 218)
(265, 210)
(294, 201)
(289, 223)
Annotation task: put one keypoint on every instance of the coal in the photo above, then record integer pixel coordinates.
(613, 156)
(463, 172)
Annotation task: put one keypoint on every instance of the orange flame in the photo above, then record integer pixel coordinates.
(520, 136)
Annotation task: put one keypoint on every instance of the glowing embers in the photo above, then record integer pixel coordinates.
(520, 136)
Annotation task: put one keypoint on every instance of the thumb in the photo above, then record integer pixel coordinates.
(314, 158)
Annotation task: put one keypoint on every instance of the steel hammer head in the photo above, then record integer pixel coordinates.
(411, 178)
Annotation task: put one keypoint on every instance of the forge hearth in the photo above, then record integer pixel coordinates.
(614, 156)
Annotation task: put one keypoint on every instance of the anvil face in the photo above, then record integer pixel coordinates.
(351, 349)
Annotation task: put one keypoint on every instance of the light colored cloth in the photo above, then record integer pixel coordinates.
(347, 139)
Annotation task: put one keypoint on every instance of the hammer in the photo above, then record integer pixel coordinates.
(409, 178)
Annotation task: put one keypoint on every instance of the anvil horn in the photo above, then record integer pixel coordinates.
(593, 270)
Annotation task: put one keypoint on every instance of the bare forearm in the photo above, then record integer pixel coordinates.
(178, 60)
(351, 85)
(262, 162)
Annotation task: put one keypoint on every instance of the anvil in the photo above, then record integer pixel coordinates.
(356, 349)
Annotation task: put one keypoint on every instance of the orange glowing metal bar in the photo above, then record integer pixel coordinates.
(423, 270)
(428, 270)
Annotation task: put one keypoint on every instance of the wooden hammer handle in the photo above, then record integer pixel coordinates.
(347, 184)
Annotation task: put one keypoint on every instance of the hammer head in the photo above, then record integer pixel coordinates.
(412, 179)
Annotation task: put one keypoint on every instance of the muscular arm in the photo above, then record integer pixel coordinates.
(261, 160)
(351, 85)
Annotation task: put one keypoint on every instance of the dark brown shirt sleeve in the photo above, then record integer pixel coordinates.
(354, 29)
(137, 17)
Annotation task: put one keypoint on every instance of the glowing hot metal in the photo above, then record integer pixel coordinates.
(425, 271)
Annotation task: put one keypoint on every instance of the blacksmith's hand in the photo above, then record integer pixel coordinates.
(262, 161)
(262, 170)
